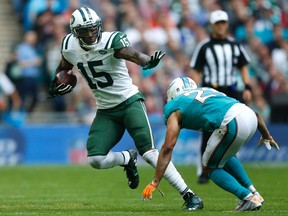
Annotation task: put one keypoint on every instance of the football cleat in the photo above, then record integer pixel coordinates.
(259, 197)
(131, 169)
(252, 204)
(192, 202)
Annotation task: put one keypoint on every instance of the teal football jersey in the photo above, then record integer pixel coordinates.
(201, 108)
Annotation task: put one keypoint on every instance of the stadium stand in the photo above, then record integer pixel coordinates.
(176, 27)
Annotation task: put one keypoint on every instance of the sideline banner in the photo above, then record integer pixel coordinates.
(64, 144)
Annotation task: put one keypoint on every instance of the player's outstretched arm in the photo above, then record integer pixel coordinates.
(165, 155)
(266, 137)
(154, 60)
(133, 55)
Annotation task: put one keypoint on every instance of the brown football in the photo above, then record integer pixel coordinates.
(67, 77)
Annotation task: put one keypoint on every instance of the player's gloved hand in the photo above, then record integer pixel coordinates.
(154, 60)
(269, 143)
(60, 89)
(149, 189)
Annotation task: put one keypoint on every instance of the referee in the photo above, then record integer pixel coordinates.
(215, 63)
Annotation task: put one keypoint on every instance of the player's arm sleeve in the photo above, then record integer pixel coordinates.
(123, 50)
(167, 111)
(119, 41)
(65, 62)
(65, 42)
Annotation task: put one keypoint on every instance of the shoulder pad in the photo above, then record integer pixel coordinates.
(117, 40)
(65, 42)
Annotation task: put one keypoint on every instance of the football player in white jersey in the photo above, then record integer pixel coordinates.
(100, 58)
(232, 124)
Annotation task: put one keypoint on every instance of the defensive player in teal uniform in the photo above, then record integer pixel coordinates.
(232, 124)
(100, 58)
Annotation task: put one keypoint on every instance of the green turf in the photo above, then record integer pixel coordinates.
(81, 190)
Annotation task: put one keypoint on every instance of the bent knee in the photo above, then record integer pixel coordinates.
(97, 162)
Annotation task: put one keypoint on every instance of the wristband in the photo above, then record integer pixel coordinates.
(154, 183)
(248, 87)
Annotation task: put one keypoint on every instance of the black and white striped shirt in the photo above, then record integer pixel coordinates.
(218, 61)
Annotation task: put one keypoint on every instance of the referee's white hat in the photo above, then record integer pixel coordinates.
(218, 15)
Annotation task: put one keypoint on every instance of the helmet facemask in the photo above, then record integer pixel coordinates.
(89, 35)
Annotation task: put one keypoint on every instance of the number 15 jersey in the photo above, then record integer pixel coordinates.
(201, 109)
(107, 76)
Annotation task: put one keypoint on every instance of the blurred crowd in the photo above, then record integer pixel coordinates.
(173, 26)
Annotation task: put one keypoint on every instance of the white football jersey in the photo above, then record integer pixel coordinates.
(107, 76)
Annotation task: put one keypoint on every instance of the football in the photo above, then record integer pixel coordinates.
(67, 77)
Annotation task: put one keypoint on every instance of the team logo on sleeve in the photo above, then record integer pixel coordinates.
(72, 20)
(103, 52)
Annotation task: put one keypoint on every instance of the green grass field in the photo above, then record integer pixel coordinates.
(81, 190)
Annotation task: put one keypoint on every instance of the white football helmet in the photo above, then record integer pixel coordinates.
(86, 25)
(179, 86)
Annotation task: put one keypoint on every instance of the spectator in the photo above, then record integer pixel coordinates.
(280, 58)
(29, 62)
(178, 26)
(259, 103)
(278, 97)
(34, 7)
(13, 70)
(44, 25)
(7, 89)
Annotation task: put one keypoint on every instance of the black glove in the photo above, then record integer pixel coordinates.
(154, 60)
(60, 89)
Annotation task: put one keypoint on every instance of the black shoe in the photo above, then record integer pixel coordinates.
(203, 179)
(192, 202)
(131, 169)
